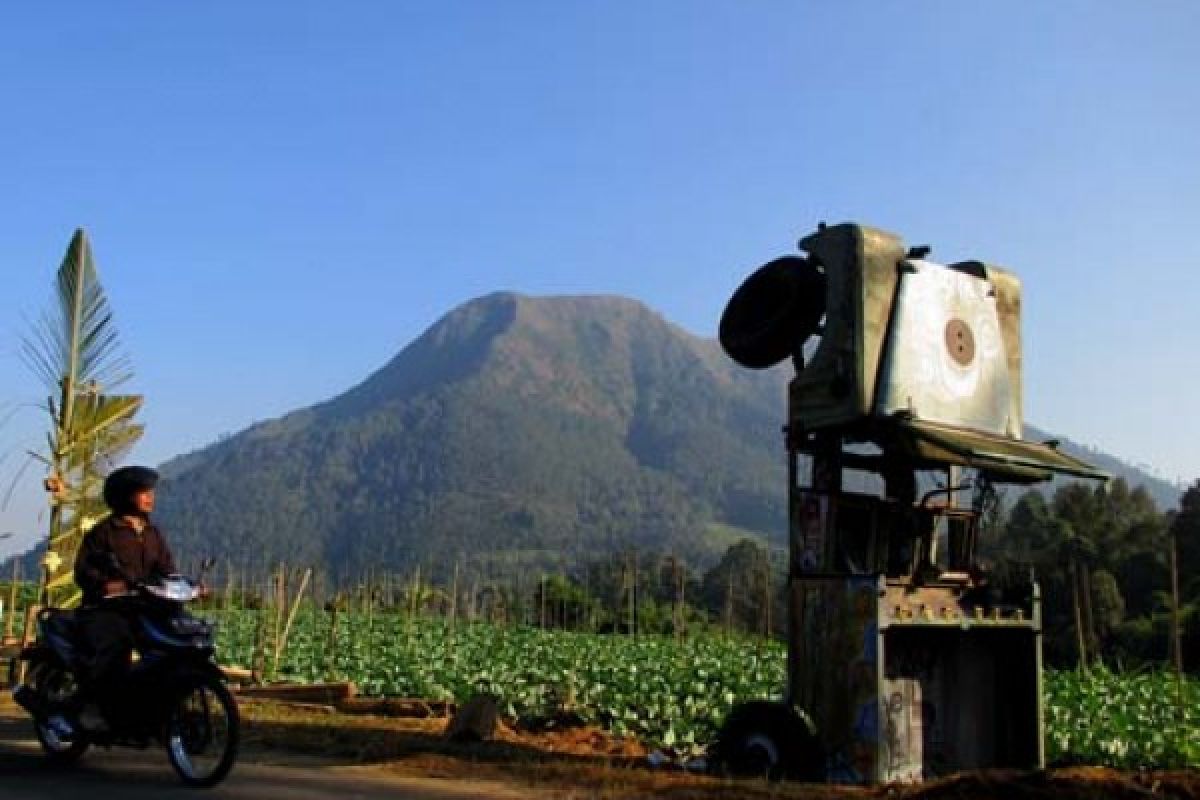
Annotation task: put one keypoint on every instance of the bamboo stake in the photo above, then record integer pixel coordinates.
(230, 578)
(280, 603)
(259, 655)
(1072, 572)
(281, 641)
(562, 598)
(1089, 619)
(331, 653)
(767, 597)
(634, 599)
(1176, 636)
(12, 599)
(729, 604)
(454, 596)
(681, 584)
(542, 602)
(473, 599)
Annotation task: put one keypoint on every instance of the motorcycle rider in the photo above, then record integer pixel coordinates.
(123, 549)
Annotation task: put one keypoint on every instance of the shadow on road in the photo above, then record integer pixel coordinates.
(371, 740)
(126, 774)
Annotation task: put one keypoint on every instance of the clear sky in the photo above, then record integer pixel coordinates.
(281, 195)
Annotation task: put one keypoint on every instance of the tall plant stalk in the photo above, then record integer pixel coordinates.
(75, 351)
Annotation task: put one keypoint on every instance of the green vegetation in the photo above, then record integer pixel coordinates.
(1102, 557)
(1128, 720)
(676, 692)
(662, 690)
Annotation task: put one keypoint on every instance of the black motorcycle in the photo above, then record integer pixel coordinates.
(177, 695)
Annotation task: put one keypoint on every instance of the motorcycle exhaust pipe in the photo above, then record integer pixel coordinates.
(29, 700)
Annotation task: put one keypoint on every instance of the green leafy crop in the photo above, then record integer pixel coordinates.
(676, 693)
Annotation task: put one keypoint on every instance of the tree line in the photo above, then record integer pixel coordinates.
(1102, 556)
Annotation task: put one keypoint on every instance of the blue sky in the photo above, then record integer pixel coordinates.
(281, 195)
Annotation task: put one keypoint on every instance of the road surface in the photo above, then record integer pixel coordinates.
(122, 774)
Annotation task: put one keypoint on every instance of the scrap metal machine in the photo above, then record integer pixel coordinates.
(905, 659)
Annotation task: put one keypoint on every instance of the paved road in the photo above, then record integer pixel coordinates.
(120, 774)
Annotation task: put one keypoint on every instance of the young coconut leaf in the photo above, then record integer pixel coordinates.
(75, 351)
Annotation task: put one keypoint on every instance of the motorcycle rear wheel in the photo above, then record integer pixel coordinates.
(55, 685)
(202, 733)
(58, 750)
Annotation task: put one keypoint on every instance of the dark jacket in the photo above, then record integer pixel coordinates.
(141, 556)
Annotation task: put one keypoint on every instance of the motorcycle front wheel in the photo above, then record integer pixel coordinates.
(202, 732)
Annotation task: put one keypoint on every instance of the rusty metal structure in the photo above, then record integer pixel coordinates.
(905, 411)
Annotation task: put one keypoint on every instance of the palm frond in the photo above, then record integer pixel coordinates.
(12, 486)
(75, 339)
(74, 349)
(65, 576)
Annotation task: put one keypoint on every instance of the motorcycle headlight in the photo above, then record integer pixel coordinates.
(177, 589)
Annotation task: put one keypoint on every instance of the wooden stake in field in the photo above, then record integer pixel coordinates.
(12, 599)
(280, 608)
(331, 652)
(583, 618)
(230, 580)
(634, 599)
(542, 602)
(767, 596)
(1076, 605)
(454, 596)
(729, 604)
(1176, 636)
(282, 639)
(258, 658)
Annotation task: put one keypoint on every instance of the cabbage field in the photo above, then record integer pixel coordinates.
(672, 693)
(1138, 719)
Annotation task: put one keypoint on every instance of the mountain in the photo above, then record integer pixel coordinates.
(545, 426)
(1166, 494)
(515, 427)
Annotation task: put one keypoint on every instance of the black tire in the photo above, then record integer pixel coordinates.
(202, 733)
(54, 685)
(60, 751)
(773, 312)
(768, 740)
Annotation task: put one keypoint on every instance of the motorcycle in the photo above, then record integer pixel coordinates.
(178, 698)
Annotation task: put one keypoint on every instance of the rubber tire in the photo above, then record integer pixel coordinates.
(229, 757)
(77, 747)
(74, 751)
(773, 312)
(763, 739)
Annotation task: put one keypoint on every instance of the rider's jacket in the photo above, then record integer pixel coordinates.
(141, 556)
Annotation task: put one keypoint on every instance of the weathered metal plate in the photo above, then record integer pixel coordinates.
(946, 361)
(1005, 458)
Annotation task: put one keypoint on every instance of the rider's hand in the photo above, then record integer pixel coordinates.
(202, 591)
(115, 587)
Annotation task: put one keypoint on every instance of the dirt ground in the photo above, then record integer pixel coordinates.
(587, 762)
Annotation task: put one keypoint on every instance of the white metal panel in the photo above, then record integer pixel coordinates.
(945, 358)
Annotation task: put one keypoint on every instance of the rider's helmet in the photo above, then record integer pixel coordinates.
(121, 484)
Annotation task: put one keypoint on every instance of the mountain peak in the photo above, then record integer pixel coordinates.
(536, 424)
